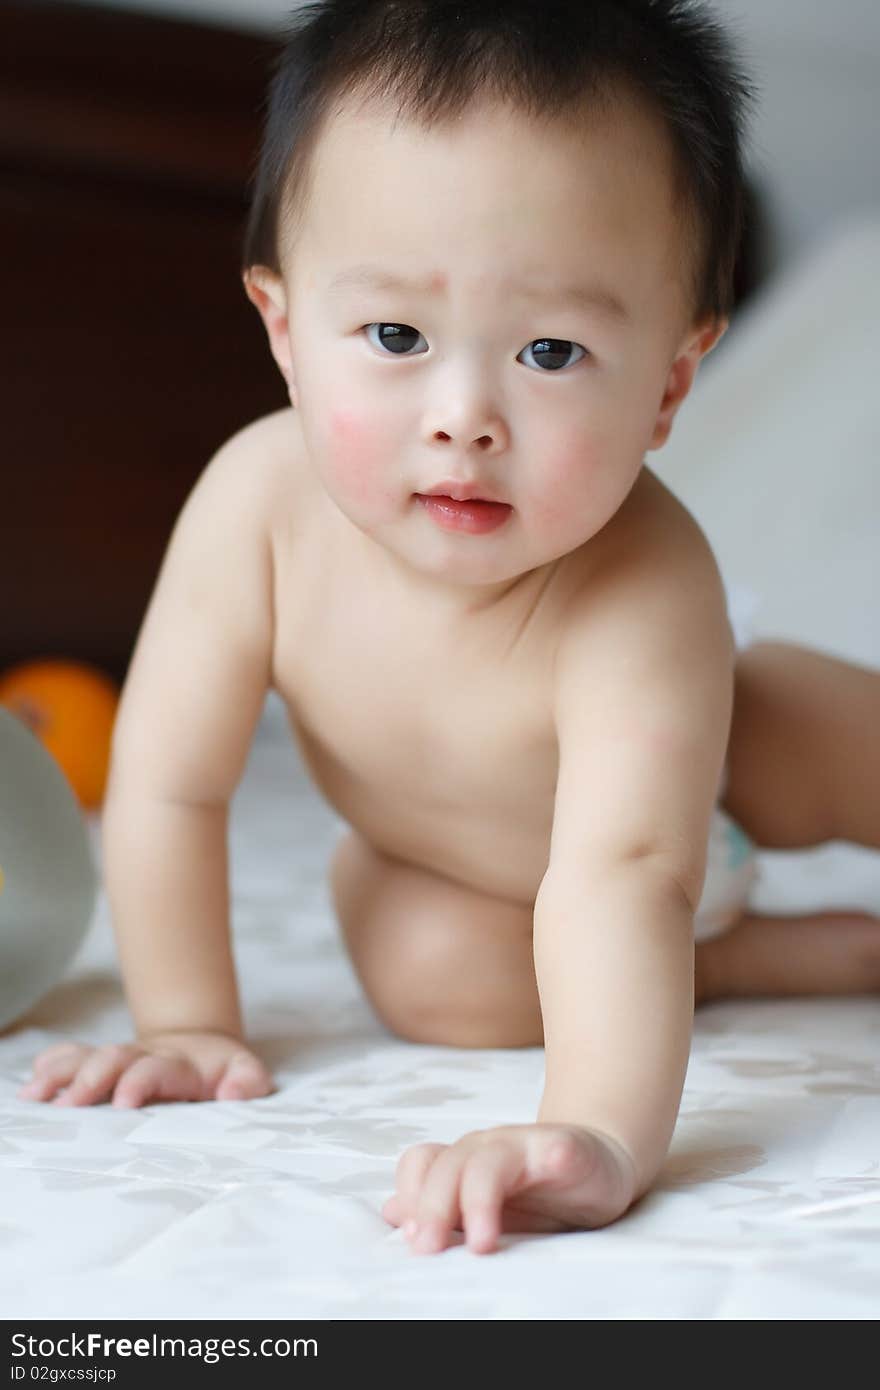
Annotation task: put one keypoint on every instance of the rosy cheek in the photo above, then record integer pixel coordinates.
(345, 427)
(355, 454)
(571, 469)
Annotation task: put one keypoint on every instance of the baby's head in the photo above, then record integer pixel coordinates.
(490, 242)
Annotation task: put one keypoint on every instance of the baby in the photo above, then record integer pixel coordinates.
(490, 244)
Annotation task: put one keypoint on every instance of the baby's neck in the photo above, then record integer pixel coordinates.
(451, 600)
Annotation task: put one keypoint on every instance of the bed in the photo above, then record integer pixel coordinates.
(768, 1206)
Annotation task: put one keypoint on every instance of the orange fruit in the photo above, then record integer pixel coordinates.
(70, 707)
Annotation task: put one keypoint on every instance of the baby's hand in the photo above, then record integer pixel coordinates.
(165, 1066)
(539, 1177)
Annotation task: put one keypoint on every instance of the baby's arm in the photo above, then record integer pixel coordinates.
(193, 695)
(644, 695)
(643, 701)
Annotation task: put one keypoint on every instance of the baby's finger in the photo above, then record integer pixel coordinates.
(488, 1177)
(53, 1070)
(159, 1078)
(412, 1168)
(42, 1088)
(245, 1078)
(59, 1052)
(97, 1075)
(394, 1211)
(438, 1211)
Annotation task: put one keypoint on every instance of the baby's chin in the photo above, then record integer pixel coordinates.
(485, 566)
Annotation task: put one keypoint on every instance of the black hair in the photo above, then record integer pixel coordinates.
(435, 58)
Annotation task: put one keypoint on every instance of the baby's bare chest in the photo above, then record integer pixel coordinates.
(435, 739)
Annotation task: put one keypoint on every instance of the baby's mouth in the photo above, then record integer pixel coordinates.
(459, 501)
(456, 491)
(476, 515)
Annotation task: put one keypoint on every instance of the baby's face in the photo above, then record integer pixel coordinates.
(537, 344)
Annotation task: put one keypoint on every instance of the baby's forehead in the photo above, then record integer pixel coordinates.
(497, 175)
(361, 149)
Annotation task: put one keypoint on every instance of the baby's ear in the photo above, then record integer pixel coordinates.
(265, 289)
(693, 348)
(710, 334)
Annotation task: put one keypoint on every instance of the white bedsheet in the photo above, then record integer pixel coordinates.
(769, 1203)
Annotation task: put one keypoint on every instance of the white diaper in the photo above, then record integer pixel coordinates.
(731, 869)
(732, 865)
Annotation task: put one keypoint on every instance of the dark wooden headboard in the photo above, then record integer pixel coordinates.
(128, 350)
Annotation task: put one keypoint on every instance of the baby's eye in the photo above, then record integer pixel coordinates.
(551, 354)
(396, 337)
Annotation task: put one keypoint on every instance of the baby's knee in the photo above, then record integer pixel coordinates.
(439, 961)
(442, 991)
(442, 1025)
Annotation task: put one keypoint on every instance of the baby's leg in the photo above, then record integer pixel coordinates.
(804, 768)
(804, 749)
(439, 962)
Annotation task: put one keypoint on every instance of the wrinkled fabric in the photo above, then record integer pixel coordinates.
(768, 1204)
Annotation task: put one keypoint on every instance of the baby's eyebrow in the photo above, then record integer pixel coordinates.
(593, 297)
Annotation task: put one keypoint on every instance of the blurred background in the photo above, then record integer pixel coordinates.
(129, 352)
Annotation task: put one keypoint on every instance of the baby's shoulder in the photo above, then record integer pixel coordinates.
(255, 488)
(259, 465)
(654, 576)
(659, 540)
